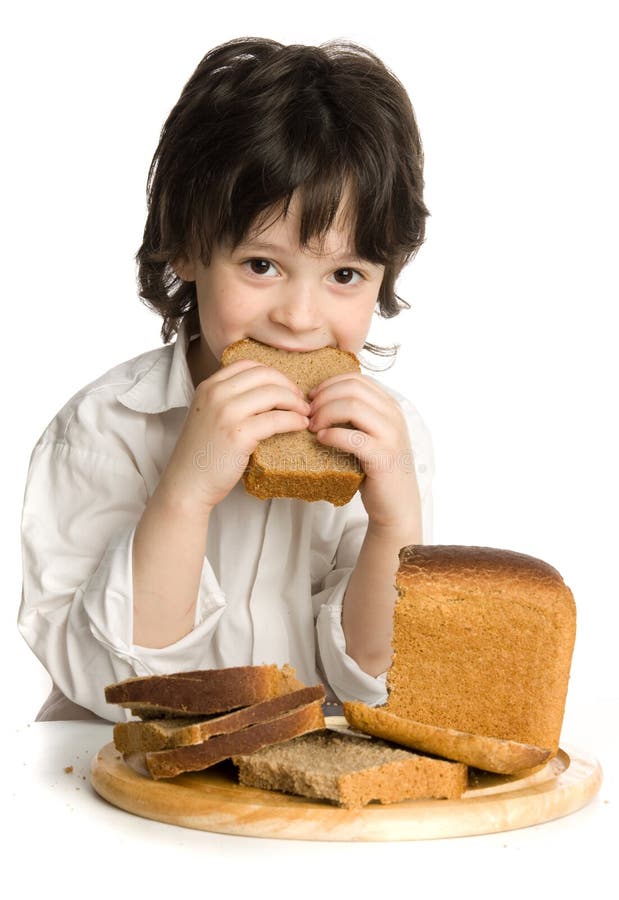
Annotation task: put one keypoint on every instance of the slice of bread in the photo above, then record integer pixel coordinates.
(202, 692)
(350, 771)
(194, 758)
(296, 464)
(164, 734)
(488, 753)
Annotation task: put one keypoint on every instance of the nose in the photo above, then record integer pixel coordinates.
(297, 307)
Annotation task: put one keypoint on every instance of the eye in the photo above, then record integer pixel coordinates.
(347, 276)
(258, 266)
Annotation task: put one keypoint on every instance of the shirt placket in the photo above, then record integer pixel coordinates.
(270, 636)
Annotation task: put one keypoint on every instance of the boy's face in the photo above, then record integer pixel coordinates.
(271, 290)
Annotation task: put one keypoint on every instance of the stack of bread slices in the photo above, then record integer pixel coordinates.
(192, 720)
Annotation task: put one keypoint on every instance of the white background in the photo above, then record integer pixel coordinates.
(509, 350)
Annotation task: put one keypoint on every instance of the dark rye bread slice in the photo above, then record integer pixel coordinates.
(482, 752)
(350, 771)
(202, 692)
(168, 763)
(296, 464)
(164, 734)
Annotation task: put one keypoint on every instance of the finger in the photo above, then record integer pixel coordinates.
(362, 388)
(368, 417)
(247, 372)
(345, 392)
(374, 459)
(263, 398)
(237, 366)
(355, 377)
(275, 421)
(351, 440)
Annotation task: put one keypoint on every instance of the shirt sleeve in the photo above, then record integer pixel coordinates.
(346, 678)
(81, 509)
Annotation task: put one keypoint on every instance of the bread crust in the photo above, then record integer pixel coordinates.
(194, 758)
(164, 734)
(202, 692)
(449, 566)
(480, 751)
(275, 357)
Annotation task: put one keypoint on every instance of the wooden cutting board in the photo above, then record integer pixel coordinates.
(213, 800)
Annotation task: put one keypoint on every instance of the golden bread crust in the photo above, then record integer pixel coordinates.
(480, 569)
(482, 752)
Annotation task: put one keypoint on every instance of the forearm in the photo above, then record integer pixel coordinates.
(367, 613)
(168, 554)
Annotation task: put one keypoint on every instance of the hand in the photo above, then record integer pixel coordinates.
(234, 409)
(380, 440)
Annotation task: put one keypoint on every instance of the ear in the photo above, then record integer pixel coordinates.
(184, 268)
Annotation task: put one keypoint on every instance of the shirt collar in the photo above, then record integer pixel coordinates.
(167, 383)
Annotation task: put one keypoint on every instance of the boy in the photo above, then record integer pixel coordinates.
(283, 200)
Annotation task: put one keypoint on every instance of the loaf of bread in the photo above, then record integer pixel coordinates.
(164, 734)
(202, 692)
(296, 464)
(482, 645)
(350, 771)
(195, 757)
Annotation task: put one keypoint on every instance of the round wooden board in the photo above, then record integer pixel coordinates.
(212, 800)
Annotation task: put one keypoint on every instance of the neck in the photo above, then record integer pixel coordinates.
(202, 364)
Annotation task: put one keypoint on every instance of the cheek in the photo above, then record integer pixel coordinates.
(360, 317)
(221, 305)
(225, 317)
(352, 332)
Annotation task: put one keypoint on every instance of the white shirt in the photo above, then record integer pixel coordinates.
(274, 571)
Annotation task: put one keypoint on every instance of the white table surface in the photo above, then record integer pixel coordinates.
(61, 833)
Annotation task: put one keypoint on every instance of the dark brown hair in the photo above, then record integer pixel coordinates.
(258, 120)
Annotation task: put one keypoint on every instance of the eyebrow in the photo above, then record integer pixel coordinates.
(261, 247)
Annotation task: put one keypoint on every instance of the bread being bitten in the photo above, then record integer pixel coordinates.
(296, 464)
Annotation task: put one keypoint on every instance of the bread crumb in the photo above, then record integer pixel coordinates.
(68, 769)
